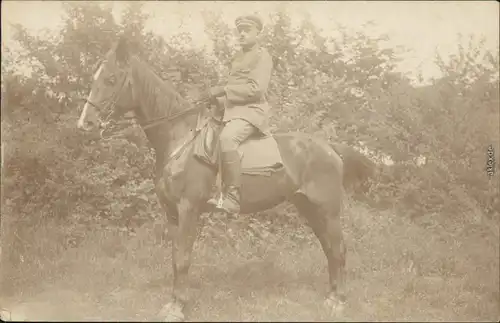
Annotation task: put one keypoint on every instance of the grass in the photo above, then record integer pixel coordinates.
(398, 270)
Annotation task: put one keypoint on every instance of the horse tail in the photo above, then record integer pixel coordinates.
(357, 167)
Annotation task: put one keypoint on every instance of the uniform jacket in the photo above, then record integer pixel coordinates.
(247, 86)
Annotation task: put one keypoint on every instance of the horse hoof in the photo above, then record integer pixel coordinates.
(335, 304)
(172, 312)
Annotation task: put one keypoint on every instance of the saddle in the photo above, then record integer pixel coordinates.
(259, 153)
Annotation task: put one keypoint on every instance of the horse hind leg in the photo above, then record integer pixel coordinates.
(324, 219)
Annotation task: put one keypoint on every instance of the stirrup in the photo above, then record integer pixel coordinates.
(232, 197)
(217, 200)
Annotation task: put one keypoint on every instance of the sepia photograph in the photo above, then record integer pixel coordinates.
(170, 161)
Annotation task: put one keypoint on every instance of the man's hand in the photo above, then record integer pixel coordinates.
(208, 97)
(205, 97)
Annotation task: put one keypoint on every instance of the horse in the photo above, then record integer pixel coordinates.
(311, 174)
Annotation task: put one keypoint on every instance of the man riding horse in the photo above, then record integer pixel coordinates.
(311, 178)
(245, 104)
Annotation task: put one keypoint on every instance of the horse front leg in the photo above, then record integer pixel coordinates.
(183, 235)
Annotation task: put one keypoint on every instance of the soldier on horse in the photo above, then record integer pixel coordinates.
(311, 175)
(245, 104)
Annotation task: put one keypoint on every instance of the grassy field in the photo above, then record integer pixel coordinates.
(398, 270)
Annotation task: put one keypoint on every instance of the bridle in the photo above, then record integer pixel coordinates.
(110, 121)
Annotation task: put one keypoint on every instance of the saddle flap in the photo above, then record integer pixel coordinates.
(206, 145)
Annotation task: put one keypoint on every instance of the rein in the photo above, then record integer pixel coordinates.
(154, 122)
(157, 121)
(110, 119)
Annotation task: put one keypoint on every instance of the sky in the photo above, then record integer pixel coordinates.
(423, 27)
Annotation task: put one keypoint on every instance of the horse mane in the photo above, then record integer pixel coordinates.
(161, 91)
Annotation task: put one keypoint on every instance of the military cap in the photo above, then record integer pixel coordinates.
(249, 20)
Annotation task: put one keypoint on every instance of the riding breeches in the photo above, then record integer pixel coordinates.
(234, 133)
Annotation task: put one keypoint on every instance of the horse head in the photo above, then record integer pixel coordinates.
(111, 93)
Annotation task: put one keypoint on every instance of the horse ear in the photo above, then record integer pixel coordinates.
(122, 50)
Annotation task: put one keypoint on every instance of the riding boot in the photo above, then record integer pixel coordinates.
(231, 167)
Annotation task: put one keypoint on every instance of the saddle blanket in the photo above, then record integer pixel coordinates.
(259, 154)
